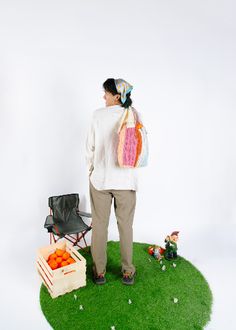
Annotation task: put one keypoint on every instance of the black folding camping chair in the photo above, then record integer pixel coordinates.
(65, 220)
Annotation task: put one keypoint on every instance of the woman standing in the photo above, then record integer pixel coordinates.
(108, 181)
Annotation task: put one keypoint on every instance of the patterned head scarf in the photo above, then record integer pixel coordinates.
(123, 87)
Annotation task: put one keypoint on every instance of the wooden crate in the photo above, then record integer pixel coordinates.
(63, 279)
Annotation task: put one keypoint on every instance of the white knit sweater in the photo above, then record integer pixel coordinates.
(101, 151)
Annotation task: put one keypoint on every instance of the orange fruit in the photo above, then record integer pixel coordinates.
(52, 256)
(59, 260)
(53, 264)
(64, 263)
(65, 256)
(70, 260)
(59, 252)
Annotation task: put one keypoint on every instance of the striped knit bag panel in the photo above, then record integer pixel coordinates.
(142, 151)
(127, 144)
(127, 147)
(133, 144)
(143, 158)
(130, 147)
(139, 142)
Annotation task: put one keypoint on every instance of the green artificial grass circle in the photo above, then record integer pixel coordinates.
(177, 298)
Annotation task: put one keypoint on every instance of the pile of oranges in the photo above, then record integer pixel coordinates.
(59, 258)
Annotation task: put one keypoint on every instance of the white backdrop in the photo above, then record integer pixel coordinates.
(180, 58)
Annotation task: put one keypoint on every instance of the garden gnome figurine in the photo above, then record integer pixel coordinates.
(171, 246)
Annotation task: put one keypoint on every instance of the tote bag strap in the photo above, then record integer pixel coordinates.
(128, 117)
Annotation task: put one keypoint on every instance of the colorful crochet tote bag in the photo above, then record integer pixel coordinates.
(132, 150)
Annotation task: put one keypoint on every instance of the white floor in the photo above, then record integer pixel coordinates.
(21, 310)
(220, 279)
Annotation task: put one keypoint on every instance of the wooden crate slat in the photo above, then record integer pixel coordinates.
(43, 277)
(45, 265)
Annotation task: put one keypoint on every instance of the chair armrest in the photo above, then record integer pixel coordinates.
(84, 214)
(49, 222)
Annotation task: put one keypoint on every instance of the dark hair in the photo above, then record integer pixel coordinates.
(110, 86)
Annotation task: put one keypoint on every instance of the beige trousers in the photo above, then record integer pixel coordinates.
(124, 207)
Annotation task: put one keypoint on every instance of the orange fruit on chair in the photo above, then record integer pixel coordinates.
(59, 252)
(65, 256)
(52, 256)
(64, 263)
(53, 264)
(70, 260)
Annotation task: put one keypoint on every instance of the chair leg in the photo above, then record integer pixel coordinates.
(75, 240)
(52, 238)
(86, 248)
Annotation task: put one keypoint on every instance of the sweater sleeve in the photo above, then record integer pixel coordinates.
(90, 147)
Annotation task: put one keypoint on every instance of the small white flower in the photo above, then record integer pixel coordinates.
(161, 262)
(175, 300)
(113, 327)
(149, 259)
(174, 265)
(129, 301)
(75, 296)
(81, 307)
(163, 267)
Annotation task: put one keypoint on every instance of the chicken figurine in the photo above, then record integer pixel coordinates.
(156, 251)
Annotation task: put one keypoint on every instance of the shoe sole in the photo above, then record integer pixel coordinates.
(101, 283)
(126, 283)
